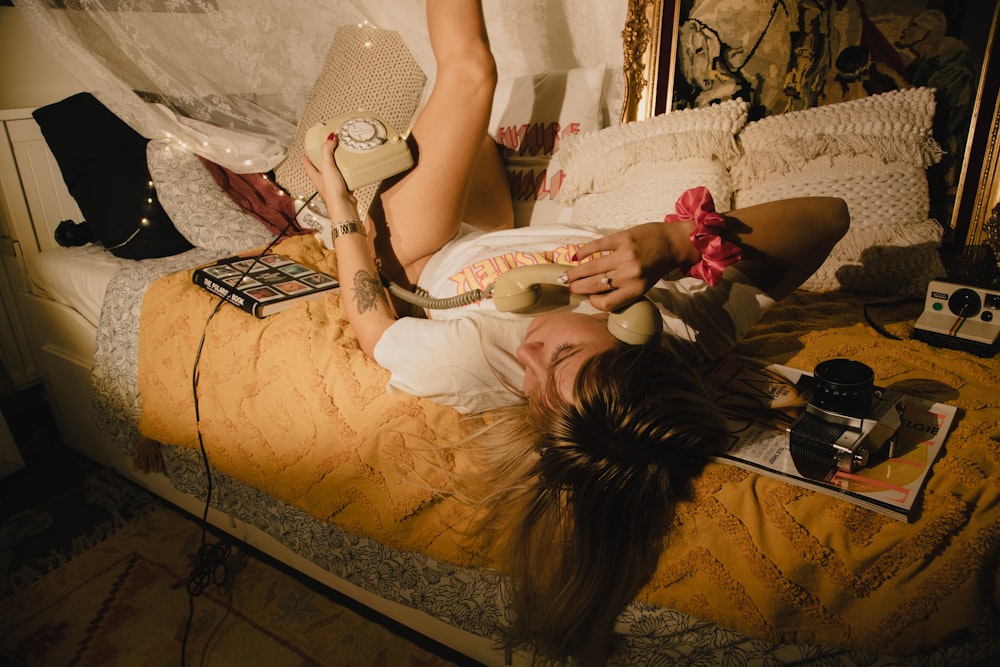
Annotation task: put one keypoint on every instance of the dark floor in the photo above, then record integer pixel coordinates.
(62, 503)
(58, 504)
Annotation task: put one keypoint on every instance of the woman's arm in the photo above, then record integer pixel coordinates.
(782, 244)
(423, 209)
(364, 297)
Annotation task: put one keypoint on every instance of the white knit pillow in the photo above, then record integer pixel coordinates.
(890, 260)
(365, 68)
(872, 152)
(633, 173)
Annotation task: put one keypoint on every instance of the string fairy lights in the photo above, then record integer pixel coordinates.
(149, 215)
(145, 221)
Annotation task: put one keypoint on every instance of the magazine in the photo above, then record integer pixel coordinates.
(762, 401)
(263, 285)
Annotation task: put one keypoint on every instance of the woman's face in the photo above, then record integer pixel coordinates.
(557, 344)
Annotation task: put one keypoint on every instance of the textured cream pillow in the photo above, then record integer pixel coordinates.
(366, 68)
(634, 173)
(531, 119)
(873, 152)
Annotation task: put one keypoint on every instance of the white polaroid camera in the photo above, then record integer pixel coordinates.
(368, 148)
(959, 317)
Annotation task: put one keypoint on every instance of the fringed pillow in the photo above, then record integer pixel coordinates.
(633, 173)
(872, 152)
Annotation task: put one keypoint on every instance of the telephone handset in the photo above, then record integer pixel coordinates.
(368, 148)
(518, 289)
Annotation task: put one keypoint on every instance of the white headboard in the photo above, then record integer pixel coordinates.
(30, 213)
(33, 200)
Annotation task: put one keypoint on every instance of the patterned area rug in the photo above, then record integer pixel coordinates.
(125, 602)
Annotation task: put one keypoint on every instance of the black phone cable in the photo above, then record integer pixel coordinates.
(210, 561)
(884, 304)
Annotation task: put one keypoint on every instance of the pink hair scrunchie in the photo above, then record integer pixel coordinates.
(716, 253)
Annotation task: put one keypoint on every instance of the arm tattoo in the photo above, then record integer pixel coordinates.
(367, 291)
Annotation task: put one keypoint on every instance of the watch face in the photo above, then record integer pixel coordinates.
(362, 134)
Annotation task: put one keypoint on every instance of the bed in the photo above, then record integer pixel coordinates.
(315, 464)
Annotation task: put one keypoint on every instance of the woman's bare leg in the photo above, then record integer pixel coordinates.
(455, 159)
(489, 205)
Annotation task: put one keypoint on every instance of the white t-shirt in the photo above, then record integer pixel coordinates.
(464, 357)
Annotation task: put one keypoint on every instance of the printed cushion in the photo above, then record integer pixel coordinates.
(872, 152)
(633, 173)
(200, 210)
(532, 116)
(365, 68)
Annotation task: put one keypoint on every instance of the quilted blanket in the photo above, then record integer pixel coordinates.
(290, 405)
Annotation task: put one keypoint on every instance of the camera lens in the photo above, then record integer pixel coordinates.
(964, 302)
(844, 386)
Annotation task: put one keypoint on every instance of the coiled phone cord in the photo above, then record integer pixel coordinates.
(432, 303)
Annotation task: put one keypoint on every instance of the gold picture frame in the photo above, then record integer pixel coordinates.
(650, 40)
(650, 44)
(978, 203)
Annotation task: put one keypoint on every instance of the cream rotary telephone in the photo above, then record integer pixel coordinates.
(519, 289)
(368, 148)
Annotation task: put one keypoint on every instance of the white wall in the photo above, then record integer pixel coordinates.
(30, 76)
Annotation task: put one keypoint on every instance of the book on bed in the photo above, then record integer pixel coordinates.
(263, 285)
(766, 405)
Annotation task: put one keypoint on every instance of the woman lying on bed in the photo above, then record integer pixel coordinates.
(614, 431)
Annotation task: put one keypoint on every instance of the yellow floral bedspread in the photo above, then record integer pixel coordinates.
(290, 405)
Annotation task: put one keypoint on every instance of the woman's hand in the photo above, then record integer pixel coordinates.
(330, 184)
(639, 257)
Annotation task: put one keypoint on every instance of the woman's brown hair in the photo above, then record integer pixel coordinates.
(611, 467)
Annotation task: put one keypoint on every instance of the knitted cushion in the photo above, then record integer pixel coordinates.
(366, 68)
(873, 152)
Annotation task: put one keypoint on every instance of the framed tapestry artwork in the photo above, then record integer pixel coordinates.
(787, 55)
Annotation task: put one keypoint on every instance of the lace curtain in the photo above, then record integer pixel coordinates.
(228, 78)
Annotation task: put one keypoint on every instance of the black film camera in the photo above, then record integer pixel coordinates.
(847, 420)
